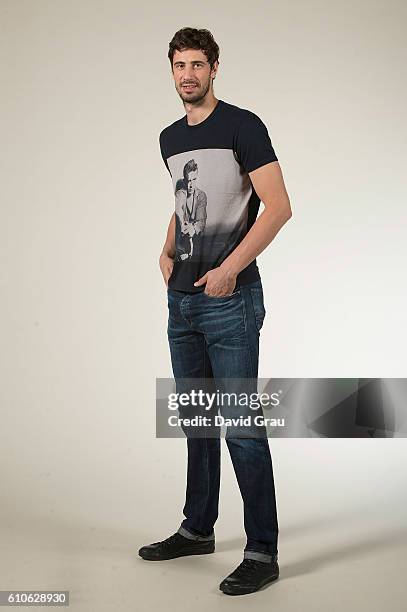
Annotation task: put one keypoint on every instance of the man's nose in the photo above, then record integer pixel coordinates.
(189, 74)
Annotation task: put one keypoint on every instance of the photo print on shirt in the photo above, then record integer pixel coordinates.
(211, 195)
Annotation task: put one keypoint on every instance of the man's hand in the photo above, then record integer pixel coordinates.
(166, 266)
(218, 282)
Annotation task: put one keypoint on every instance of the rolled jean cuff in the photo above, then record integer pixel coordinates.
(193, 536)
(259, 556)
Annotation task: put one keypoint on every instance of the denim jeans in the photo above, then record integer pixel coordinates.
(218, 338)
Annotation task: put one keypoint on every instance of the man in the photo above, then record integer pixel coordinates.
(215, 299)
(190, 210)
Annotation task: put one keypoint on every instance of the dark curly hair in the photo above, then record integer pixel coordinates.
(191, 38)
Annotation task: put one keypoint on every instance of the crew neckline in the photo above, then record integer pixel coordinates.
(205, 121)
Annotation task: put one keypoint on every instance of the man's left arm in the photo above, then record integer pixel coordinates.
(255, 153)
(268, 183)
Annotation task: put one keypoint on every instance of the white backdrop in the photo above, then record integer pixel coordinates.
(86, 89)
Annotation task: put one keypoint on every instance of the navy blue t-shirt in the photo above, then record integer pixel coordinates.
(215, 201)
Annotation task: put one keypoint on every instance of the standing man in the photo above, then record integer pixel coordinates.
(215, 298)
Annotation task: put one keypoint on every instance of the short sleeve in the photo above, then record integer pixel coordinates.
(162, 151)
(253, 145)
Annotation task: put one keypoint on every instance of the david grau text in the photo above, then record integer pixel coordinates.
(218, 420)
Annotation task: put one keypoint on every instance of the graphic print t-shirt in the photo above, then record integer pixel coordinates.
(215, 201)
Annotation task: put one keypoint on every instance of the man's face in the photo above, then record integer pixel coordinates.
(191, 182)
(191, 67)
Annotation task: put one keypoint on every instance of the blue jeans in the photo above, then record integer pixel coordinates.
(218, 338)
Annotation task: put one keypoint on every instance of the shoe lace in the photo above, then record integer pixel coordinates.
(169, 541)
(247, 566)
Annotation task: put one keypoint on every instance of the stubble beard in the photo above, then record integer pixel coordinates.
(197, 96)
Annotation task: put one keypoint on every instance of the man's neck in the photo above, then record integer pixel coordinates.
(199, 112)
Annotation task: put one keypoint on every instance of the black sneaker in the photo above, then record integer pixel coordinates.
(249, 577)
(176, 546)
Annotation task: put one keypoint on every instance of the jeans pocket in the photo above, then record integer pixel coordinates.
(258, 306)
(222, 297)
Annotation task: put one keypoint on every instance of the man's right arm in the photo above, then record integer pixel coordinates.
(166, 260)
(167, 256)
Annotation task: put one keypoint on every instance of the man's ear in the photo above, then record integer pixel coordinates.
(215, 68)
